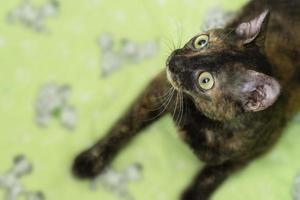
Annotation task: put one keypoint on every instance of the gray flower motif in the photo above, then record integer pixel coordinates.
(117, 182)
(129, 52)
(296, 189)
(11, 183)
(52, 102)
(68, 117)
(216, 17)
(33, 17)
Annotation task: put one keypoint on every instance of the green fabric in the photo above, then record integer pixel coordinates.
(68, 54)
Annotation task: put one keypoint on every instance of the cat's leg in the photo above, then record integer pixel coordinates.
(151, 104)
(209, 179)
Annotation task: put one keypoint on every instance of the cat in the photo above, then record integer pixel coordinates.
(238, 85)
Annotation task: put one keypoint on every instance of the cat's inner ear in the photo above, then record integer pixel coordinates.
(259, 91)
(254, 30)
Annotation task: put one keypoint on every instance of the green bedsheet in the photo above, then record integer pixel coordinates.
(67, 53)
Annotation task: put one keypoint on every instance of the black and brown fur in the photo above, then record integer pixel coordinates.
(222, 126)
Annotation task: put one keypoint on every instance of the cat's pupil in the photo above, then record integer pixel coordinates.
(206, 80)
(201, 42)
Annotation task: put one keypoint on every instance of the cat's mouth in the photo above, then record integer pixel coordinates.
(174, 71)
(171, 80)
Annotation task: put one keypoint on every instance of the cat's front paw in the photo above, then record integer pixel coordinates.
(87, 165)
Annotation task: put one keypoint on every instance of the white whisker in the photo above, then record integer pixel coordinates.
(175, 108)
(165, 105)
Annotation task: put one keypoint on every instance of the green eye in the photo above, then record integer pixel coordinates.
(206, 80)
(201, 41)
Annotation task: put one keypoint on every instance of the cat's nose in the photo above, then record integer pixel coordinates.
(171, 61)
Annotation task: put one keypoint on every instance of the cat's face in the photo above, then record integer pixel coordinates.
(225, 71)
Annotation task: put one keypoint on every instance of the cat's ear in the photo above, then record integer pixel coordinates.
(254, 30)
(259, 91)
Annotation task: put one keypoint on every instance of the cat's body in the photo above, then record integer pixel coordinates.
(256, 90)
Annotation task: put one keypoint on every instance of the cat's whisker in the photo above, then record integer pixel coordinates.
(180, 42)
(180, 39)
(179, 114)
(161, 100)
(166, 93)
(161, 105)
(166, 54)
(182, 109)
(179, 110)
(179, 35)
(169, 50)
(169, 44)
(187, 111)
(172, 43)
(175, 108)
(166, 104)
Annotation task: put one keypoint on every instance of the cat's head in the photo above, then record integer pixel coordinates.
(225, 71)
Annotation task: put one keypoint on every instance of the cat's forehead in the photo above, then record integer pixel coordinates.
(216, 35)
(218, 40)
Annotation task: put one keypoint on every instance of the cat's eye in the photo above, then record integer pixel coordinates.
(201, 41)
(206, 80)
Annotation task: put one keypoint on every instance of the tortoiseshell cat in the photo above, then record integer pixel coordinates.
(240, 86)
